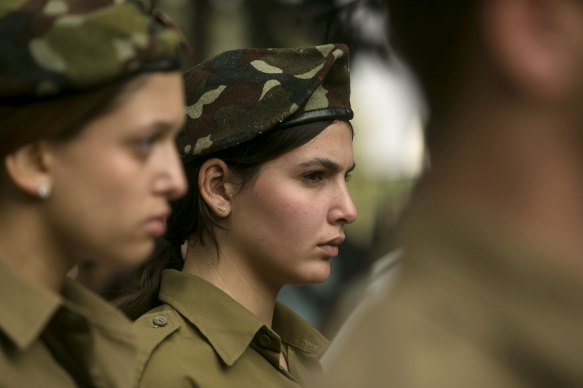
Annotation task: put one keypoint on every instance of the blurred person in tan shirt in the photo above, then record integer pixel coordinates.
(490, 292)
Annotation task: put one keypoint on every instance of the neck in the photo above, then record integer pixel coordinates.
(234, 276)
(26, 246)
(520, 166)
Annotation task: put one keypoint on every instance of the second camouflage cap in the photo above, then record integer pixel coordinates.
(51, 47)
(240, 94)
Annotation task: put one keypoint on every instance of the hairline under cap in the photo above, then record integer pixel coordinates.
(311, 116)
(323, 121)
(159, 65)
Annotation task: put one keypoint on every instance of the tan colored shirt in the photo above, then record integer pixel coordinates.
(474, 307)
(46, 338)
(201, 337)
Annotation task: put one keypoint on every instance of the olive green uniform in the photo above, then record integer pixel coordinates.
(475, 307)
(49, 51)
(50, 340)
(201, 337)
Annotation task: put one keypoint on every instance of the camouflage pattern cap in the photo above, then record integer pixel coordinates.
(50, 47)
(240, 94)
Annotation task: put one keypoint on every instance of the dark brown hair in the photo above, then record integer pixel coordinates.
(192, 219)
(58, 118)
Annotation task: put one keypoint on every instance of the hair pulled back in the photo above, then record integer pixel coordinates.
(62, 117)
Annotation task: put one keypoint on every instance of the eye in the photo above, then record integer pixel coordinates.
(144, 145)
(313, 177)
(347, 177)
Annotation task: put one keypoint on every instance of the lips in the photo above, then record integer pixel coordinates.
(335, 241)
(157, 225)
(330, 247)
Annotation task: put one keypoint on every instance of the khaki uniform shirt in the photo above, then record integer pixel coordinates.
(474, 307)
(201, 337)
(70, 340)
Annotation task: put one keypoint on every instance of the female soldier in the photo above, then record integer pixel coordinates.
(90, 104)
(266, 149)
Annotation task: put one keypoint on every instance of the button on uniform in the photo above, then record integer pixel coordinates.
(160, 321)
(264, 340)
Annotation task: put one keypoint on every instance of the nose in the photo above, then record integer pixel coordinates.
(172, 181)
(344, 211)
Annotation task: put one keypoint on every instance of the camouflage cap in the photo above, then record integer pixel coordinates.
(240, 94)
(50, 47)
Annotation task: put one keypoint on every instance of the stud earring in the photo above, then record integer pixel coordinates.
(44, 191)
(222, 210)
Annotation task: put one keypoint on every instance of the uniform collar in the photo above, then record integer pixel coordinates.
(113, 349)
(26, 307)
(101, 315)
(228, 326)
(296, 332)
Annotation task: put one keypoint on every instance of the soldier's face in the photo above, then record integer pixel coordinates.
(287, 224)
(111, 184)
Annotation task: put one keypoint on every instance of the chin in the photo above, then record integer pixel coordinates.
(132, 257)
(316, 275)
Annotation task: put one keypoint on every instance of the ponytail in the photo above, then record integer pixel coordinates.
(135, 292)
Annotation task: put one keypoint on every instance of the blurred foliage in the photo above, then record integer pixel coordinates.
(361, 24)
(213, 26)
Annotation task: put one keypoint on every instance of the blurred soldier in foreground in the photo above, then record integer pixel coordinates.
(90, 104)
(491, 289)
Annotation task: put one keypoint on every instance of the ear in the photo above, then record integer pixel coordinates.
(216, 184)
(27, 169)
(531, 42)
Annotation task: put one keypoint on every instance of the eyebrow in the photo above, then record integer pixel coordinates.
(327, 164)
(162, 126)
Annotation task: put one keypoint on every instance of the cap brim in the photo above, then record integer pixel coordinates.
(316, 115)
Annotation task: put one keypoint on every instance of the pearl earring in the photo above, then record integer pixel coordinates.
(44, 191)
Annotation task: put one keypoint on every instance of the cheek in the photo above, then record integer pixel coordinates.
(287, 210)
(106, 186)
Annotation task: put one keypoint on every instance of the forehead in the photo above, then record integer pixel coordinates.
(155, 98)
(333, 143)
